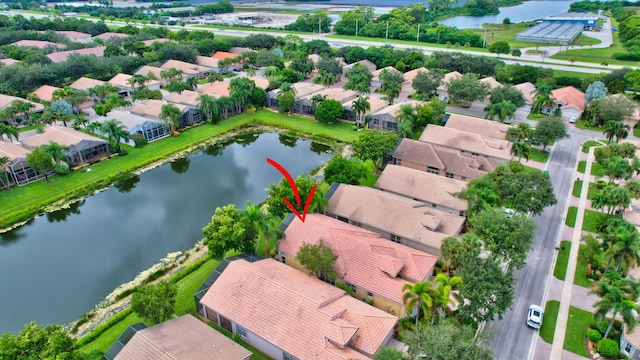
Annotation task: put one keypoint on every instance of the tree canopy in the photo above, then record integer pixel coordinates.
(319, 259)
(551, 129)
(155, 302)
(345, 171)
(446, 340)
(374, 146)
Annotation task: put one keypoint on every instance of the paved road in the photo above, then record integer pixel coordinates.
(512, 338)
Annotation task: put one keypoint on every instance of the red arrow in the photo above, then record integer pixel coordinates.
(294, 187)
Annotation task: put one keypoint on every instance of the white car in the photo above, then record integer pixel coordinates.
(572, 120)
(534, 316)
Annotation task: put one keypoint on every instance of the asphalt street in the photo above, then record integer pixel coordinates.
(513, 339)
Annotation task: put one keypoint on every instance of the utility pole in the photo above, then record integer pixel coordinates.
(386, 36)
(418, 36)
(356, 27)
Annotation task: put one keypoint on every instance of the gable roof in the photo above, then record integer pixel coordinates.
(569, 97)
(527, 89)
(131, 121)
(62, 56)
(45, 92)
(364, 258)
(62, 135)
(85, 83)
(260, 82)
(376, 74)
(145, 70)
(111, 35)
(375, 103)
(153, 41)
(216, 89)
(302, 89)
(411, 74)
(299, 314)
(239, 50)
(482, 127)
(184, 337)
(315, 58)
(422, 186)
(186, 97)
(207, 61)
(122, 80)
(12, 151)
(394, 214)
(187, 68)
(7, 100)
(8, 62)
(466, 141)
(336, 93)
(152, 108)
(394, 109)
(221, 55)
(493, 83)
(36, 43)
(448, 77)
(73, 35)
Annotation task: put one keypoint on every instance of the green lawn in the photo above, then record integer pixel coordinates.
(580, 277)
(402, 42)
(571, 216)
(582, 124)
(574, 339)
(257, 355)
(560, 270)
(582, 166)
(501, 32)
(596, 169)
(574, 73)
(577, 190)
(104, 341)
(591, 218)
(548, 328)
(590, 143)
(538, 155)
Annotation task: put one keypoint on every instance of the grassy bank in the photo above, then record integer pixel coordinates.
(22, 203)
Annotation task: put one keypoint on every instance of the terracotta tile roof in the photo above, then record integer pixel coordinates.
(335, 93)
(569, 97)
(528, 90)
(62, 56)
(45, 92)
(368, 64)
(376, 74)
(153, 41)
(8, 62)
(632, 216)
(187, 68)
(216, 89)
(6, 100)
(73, 35)
(482, 127)
(411, 74)
(394, 214)
(111, 35)
(420, 153)
(207, 61)
(12, 151)
(187, 97)
(364, 258)
(121, 80)
(466, 141)
(297, 313)
(145, 70)
(221, 55)
(36, 43)
(62, 135)
(423, 186)
(184, 337)
(493, 83)
(394, 109)
(152, 108)
(447, 78)
(85, 83)
(376, 103)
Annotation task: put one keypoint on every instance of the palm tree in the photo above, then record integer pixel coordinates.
(170, 114)
(418, 297)
(480, 195)
(93, 127)
(80, 122)
(225, 104)
(625, 246)
(617, 168)
(191, 83)
(56, 151)
(209, 107)
(542, 99)
(271, 71)
(115, 130)
(616, 130)
(504, 110)
(326, 78)
(520, 132)
(521, 149)
(4, 174)
(10, 132)
(614, 301)
(444, 286)
(316, 100)
(250, 70)
(359, 108)
(392, 91)
(407, 118)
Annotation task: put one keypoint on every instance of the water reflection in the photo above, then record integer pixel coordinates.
(62, 214)
(319, 148)
(129, 183)
(287, 140)
(180, 166)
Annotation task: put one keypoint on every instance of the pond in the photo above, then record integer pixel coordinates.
(59, 266)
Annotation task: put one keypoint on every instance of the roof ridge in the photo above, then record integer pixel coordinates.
(155, 345)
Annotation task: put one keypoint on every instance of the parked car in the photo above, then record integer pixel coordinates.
(572, 120)
(534, 316)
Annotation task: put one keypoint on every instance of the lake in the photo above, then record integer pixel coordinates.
(59, 266)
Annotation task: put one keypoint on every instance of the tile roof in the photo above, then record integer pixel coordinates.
(336, 93)
(207, 61)
(187, 68)
(493, 83)
(394, 214)
(394, 109)
(315, 58)
(632, 336)
(184, 337)
(36, 43)
(71, 35)
(153, 41)
(411, 74)
(364, 258)
(6, 100)
(152, 108)
(145, 70)
(62, 56)
(85, 83)
(376, 74)
(216, 89)
(447, 77)
(186, 97)
(8, 62)
(482, 127)
(129, 120)
(12, 151)
(238, 50)
(299, 314)
(111, 35)
(422, 186)
(121, 80)
(466, 141)
(45, 92)
(376, 103)
(62, 135)
(569, 97)
(221, 55)
(260, 82)
(528, 90)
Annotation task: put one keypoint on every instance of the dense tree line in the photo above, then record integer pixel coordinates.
(310, 23)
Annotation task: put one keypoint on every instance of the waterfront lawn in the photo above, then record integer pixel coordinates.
(548, 328)
(574, 338)
(560, 270)
(103, 342)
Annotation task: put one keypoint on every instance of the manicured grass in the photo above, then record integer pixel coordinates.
(590, 143)
(571, 216)
(636, 131)
(596, 169)
(403, 42)
(560, 270)
(581, 124)
(28, 127)
(577, 190)
(534, 116)
(574, 339)
(591, 219)
(23, 202)
(103, 342)
(574, 73)
(548, 328)
(539, 156)
(580, 277)
(582, 165)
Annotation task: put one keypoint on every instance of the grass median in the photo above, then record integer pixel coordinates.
(560, 270)
(548, 328)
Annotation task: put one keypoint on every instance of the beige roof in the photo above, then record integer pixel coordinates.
(12, 151)
(216, 89)
(145, 70)
(632, 216)
(528, 90)
(394, 214)
(153, 41)
(260, 82)
(336, 93)
(7, 100)
(131, 121)
(366, 63)
(184, 337)
(493, 83)
(632, 336)
(376, 74)
(422, 186)
(62, 56)
(315, 58)
(45, 92)
(376, 103)
(364, 258)
(569, 97)
(36, 43)
(207, 61)
(394, 109)
(238, 50)
(411, 74)
(152, 108)
(85, 83)
(122, 80)
(448, 77)
(73, 35)
(299, 314)
(466, 141)
(482, 127)
(8, 62)
(186, 97)
(187, 68)
(111, 35)
(62, 135)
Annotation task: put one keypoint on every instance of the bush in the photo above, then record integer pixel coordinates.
(600, 184)
(61, 170)
(608, 348)
(594, 335)
(139, 140)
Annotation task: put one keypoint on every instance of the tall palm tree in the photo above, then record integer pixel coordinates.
(360, 107)
(4, 174)
(225, 104)
(80, 122)
(93, 127)
(56, 151)
(625, 247)
(418, 297)
(191, 83)
(406, 119)
(444, 286)
(250, 70)
(616, 130)
(480, 195)
(11, 132)
(614, 301)
(504, 110)
(326, 78)
(521, 149)
(115, 131)
(209, 107)
(170, 114)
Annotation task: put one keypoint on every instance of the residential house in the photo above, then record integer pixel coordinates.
(467, 142)
(385, 118)
(153, 41)
(528, 90)
(436, 191)
(287, 314)
(239, 50)
(209, 62)
(442, 161)
(85, 83)
(75, 36)
(62, 56)
(442, 89)
(482, 127)
(150, 129)
(375, 269)
(20, 173)
(153, 109)
(123, 82)
(375, 80)
(187, 98)
(111, 35)
(221, 55)
(37, 44)
(397, 218)
(570, 101)
(315, 58)
(366, 63)
(303, 103)
(259, 81)
(375, 103)
(409, 76)
(83, 148)
(8, 62)
(630, 342)
(45, 92)
(301, 89)
(183, 337)
(153, 72)
(217, 89)
(8, 100)
(187, 69)
(491, 81)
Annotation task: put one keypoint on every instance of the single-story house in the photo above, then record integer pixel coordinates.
(482, 127)
(153, 72)
(8, 62)
(153, 108)
(491, 81)
(375, 80)
(409, 76)
(153, 41)
(186, 97)
(467, 142)
(376, 103)
(221, 55)
(150, 129)
(8, 100)
(375, 268)
(303, 103)
(217, 89)
(75, 36)
(83, 148)
(366, 63)
(570, 101)
(287, 314)
(45, 92)
(259, 81)
(397, 218)
(315, 58)
(184, 337)
(85, 83)
(438, 192)
(442, 89)
(209, 62)
(187, 69)
(20, 173)
(528, 91)
(630, 342)
(442, 161)
(239, 50)
(385, 118)
(111, 35)
(301, 89)
(122, 81)
(62, 56)
(37, 44)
